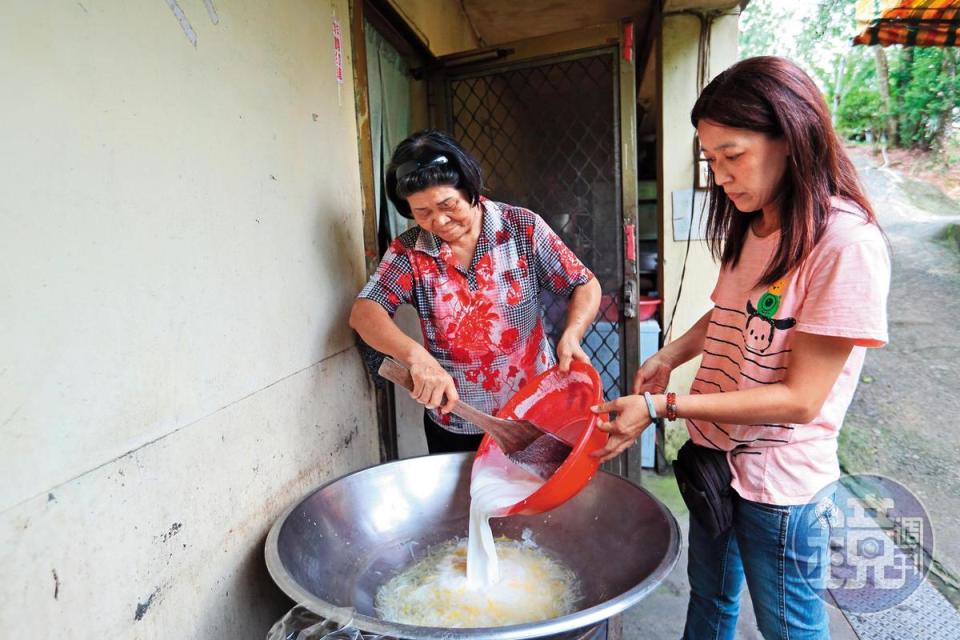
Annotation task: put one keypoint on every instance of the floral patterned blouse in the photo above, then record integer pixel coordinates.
(482, 324)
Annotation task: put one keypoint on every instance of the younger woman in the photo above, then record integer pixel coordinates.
(800, 296)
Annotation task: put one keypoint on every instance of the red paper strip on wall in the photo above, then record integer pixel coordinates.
(338, 49)
(630, 242)
(628, 41)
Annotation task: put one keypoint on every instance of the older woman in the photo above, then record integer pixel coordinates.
(474, 270)
(800, 297)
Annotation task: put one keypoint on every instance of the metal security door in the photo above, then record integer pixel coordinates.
(547, 136)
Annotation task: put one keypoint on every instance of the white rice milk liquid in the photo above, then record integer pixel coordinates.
(483, 582)
(493, 489)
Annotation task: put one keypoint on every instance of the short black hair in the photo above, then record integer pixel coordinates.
(418, 160)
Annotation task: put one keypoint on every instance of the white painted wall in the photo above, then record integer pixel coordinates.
(181, 238)
(678, 54)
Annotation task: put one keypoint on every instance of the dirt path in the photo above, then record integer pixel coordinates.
(905, 419)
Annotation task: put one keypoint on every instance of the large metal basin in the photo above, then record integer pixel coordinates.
(332, 550)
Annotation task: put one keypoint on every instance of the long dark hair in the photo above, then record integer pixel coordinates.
(431, 158)
(775, 97)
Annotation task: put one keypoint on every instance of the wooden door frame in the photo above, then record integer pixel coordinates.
(630, 210)
(358, 48)
(384, 394)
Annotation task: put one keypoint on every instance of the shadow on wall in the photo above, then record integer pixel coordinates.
(251, 588)
(333, 240)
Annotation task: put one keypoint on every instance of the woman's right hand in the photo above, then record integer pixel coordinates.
(632, 418)
(653, 376)
(432, 386)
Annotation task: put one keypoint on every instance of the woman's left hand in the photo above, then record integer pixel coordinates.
(569, 349)
(632, 418)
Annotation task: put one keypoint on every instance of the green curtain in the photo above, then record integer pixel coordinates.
(389, 90)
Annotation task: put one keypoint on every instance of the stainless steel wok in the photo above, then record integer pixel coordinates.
(332, 550)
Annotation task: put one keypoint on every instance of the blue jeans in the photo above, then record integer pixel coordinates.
(783, 555)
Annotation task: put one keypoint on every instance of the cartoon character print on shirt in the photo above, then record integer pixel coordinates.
(760, 326)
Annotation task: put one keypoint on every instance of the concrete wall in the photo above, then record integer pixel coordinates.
(678, 57)
(181, 238)
(440, 24)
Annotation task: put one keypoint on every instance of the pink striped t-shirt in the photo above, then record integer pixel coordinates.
(839, 290)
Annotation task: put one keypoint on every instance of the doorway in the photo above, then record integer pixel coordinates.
(552, 121)
(546, 134)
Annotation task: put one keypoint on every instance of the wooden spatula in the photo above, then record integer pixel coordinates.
(512, 436)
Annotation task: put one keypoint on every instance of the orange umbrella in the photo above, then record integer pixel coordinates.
(914, 23)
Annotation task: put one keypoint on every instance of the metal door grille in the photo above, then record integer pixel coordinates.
(547, 137)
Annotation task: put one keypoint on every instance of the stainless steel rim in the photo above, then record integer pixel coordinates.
(564, 624)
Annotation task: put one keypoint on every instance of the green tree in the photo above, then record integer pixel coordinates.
(951, 99)
(758, 31)
(860, 114)
(907, 94)
(883, 87)
(927, 96)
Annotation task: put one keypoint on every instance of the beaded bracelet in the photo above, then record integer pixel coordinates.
(671, 406)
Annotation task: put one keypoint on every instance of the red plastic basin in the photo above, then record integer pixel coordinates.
(559, 403)
(647, 307)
